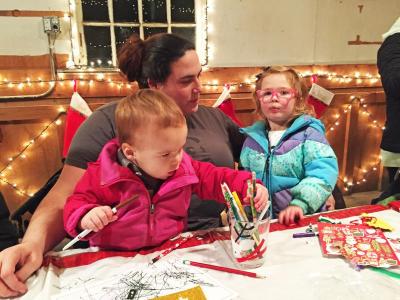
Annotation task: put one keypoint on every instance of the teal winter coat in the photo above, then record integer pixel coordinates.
(300, 170)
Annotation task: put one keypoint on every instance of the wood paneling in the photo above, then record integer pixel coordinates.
(31, 13)
(354, 140)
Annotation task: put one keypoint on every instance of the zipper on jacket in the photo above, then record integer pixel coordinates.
(151, 220)
(152, 207)
(266, 174)
(266, 166)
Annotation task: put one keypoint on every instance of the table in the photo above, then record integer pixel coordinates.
(295, 268)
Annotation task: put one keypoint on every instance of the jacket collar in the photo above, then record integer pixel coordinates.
(112, 170)
(258, 131)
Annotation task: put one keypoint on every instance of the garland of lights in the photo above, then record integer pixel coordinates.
(22, 155)
(348, 185)
(214, 84)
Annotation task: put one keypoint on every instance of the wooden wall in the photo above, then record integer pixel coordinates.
(354, 138)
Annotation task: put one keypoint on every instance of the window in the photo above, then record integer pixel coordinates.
(103, 25)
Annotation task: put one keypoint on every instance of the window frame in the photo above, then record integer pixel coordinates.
(78, 42)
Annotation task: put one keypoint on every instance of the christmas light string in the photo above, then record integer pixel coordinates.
(21, 154)
(364, 110)
(210, 84)
(213, 84)
(347, 184)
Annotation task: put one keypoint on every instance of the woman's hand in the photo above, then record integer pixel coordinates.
(17, 263)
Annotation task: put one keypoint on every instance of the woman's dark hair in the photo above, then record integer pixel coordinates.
(142, 60)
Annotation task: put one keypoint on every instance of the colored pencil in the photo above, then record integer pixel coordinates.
(231, 201)
(262, 214)
(239, 205)
(392, 274)
(87, 231)
(169, 250)
(243, 213)
(223, 269)
(253, 192)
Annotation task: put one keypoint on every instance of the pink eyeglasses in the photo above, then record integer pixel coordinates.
(266, 95)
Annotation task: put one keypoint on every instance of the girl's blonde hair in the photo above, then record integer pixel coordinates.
(296, 82)
(146, 107)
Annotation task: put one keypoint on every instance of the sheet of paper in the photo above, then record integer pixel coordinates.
(144, 281)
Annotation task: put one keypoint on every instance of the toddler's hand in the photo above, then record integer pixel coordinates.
(290, 214)
(97, 218)
(260, 199)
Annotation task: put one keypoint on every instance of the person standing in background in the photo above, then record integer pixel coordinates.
(388, 62)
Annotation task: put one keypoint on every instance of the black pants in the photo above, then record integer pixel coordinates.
(392, 173)
(8, 234)
(393, 188)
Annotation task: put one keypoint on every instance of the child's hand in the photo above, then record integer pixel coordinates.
(290, 215)
(330, 203)
(260, 199)
(97, 218)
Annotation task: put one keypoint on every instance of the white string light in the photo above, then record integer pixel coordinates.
(22, 154)
(348, 185)
(215, 84)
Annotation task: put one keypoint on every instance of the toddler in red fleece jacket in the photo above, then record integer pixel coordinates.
(147, 160)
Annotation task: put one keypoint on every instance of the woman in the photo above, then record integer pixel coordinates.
(164, 62)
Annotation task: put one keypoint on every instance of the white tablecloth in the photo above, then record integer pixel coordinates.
(295, 269)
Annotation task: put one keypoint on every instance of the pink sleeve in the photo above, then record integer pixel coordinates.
(84, 198)
(211, 178)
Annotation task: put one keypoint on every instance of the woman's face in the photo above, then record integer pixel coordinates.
(183, 84)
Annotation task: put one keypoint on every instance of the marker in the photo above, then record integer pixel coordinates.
(87, 231)
(169, 250)
(223, 269)
(304, 234)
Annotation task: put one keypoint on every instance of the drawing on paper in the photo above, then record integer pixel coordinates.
(144, 281)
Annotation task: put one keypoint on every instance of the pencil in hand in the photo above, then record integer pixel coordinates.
(87, 231)
(252, 191)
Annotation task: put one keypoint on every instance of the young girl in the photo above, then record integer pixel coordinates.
(288, 150)
(146, 160)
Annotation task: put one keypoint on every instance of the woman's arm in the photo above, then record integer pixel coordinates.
(45, 231)
(236, 138)
(46, 228)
